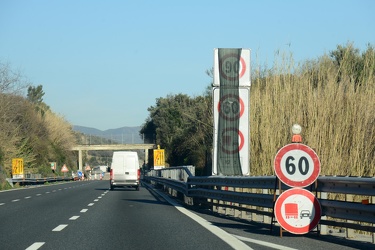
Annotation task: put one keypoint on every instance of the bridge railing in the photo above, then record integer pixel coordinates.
(255, 195)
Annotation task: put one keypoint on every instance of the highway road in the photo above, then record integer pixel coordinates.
(87, 215)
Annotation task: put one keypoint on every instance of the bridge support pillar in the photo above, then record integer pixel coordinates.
(80, 160)
(146, 156)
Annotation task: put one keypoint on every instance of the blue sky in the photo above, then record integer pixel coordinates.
(103, 63)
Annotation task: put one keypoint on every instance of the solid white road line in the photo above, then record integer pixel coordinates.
(227, 237)
(59, 228)
(264, 243)
(35, 246)
(74, 217)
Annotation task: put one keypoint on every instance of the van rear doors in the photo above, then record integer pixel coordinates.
(125, 170)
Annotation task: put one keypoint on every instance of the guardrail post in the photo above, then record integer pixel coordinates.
(349, 232)
(220, 209)
(266, 219)
(229, 211)
(237, 213)
(323, 228)
(253, 216)
(245, 214)
(242, 214)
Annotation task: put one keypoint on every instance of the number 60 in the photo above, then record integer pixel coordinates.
(303, 165)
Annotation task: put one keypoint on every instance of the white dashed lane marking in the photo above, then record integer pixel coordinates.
(16, 200)
(2, 204)
(35, 246)
(59, 228)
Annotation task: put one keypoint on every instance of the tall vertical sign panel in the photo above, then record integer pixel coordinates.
(231, 103)
(17, 168)
(159, 160)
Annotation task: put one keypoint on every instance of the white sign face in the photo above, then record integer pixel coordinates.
(297, 210)
(230, 70)
(297, 165)
(232, 107)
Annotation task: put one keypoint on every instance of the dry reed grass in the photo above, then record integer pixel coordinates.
(337, 116)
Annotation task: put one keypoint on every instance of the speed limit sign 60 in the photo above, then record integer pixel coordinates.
(297, 165)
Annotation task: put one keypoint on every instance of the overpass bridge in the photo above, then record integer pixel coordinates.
(110, 147)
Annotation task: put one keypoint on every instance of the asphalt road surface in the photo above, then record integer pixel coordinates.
(87, 215)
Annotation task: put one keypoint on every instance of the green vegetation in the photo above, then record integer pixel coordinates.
(29, 129)
(332, 98)
(183, 127)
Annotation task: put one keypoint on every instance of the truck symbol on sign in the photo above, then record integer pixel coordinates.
(291, 210)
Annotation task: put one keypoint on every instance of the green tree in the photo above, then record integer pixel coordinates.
(35, 96)
(352, 65)
(183, 127)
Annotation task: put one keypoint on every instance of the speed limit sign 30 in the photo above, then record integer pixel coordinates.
(297, 165)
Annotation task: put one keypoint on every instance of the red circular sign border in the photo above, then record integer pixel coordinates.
(309, 151)
(242, 61)
(239, 147)
(293, 191)
(242, 107)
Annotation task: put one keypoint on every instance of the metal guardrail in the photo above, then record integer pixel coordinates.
(36, 181)
(260, 193)
(173, 177)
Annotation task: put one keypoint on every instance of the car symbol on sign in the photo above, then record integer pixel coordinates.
(305, 213)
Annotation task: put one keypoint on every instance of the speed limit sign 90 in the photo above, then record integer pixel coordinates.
(297, 165)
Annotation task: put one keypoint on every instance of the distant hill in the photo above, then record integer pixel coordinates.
(127, 135)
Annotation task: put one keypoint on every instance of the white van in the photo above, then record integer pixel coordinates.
(125, 171)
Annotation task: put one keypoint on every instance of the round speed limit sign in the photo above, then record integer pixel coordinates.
(297, 165)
